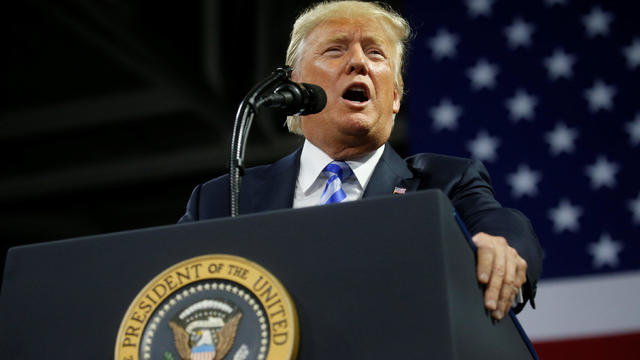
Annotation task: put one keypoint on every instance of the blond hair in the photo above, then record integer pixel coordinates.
(394, 25)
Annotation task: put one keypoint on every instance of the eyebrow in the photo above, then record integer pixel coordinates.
(336, 37)
(340, 37)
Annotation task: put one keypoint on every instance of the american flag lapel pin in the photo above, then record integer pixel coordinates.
(399, 190)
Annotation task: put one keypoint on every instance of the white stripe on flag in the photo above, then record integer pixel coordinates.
(584, 306)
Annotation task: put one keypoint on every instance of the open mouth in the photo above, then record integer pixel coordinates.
(356, 93)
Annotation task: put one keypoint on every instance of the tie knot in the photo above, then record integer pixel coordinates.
(337, 171)
(338, 168)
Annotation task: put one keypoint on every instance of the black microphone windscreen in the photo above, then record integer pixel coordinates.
(317, 99)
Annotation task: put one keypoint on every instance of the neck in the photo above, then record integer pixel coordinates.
(339, 151)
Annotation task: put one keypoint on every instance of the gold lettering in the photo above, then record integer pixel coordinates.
(144, 306)
(196, 268)
(215, 268)
(132, 331)
(268, 294)
(238, 271)
(169, 281)
(280, 324)
(186, 276)
(139, 318)
(279, 312)
(273, 304)
(280, 339)
(127, 342)
(255, 285)
(149, 297)
(159, 294)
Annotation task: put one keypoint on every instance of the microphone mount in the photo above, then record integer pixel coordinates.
(292, 97)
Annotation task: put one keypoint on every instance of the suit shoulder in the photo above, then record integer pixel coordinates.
(446, 172)
(438, 162)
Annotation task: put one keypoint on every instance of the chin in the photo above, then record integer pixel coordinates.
(356, 124)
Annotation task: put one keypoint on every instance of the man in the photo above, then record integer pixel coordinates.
(354, 51)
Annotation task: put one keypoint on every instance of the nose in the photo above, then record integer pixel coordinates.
(357, 61)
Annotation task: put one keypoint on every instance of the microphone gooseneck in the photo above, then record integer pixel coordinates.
(293, 98)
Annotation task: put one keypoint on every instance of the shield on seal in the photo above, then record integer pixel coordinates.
(204, 352)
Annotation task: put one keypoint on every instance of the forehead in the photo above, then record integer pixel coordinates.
(347, 30)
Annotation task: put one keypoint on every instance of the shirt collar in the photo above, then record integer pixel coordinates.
(313, 160)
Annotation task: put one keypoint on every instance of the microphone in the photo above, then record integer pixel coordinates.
(296, 98)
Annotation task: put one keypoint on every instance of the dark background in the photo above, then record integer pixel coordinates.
(114, 110)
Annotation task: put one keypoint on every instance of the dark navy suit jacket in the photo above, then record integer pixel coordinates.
(466, 182)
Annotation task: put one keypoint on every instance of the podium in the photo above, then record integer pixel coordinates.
(384, 278)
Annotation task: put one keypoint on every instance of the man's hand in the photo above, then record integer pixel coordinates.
(502, 270)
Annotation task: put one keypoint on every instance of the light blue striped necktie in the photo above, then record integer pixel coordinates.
(338, 171)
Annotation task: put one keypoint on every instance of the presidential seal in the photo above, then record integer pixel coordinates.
(211, 307)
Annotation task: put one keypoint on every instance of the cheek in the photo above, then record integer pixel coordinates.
(295, 75)
(320, 72)
(387, 85)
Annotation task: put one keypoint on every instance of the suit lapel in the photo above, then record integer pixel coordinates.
(390, 172)
(275, 187)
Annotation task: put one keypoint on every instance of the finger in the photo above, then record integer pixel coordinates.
(485, 259)
(507, 292)
(521, 272)
(492, 292)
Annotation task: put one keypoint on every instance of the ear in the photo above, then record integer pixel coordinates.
(396, 100)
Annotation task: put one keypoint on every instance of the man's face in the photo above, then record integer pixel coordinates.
(352, 61)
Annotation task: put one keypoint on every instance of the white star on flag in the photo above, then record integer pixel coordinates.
(521, 106)
(597, 22)
(559, 65)
(633, 128)
(634, 206)
(565, 216)
(600, 96)
(605, 251)
(443, 45)
(602, 173)
(550, 98)
(479, 7)
(561, 139)
(524, 181)
(483, 147)
(445, 115)
(483, 75)
(519, 33)
(632, 53)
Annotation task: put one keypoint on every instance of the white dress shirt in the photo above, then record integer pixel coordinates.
(311, 181)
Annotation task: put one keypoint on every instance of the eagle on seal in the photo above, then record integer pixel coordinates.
(207, 343)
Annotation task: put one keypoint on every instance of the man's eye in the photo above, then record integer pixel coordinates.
(332, 49)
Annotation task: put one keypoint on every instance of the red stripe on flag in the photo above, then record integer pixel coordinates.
(625, 346)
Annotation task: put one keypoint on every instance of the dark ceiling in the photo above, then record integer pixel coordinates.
(114, 110)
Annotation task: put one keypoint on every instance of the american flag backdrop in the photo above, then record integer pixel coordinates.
(547, 94)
